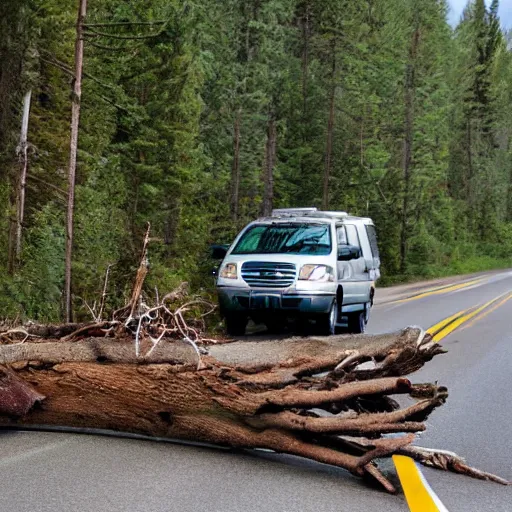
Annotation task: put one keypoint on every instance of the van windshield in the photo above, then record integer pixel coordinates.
(285, 238)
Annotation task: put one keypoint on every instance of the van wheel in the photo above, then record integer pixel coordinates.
(367, 310)
(357, 322)
(235, 324)
(326, 322)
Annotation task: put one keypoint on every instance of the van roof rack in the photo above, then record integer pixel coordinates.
(292, 212)
(307, 212)
(332, 214)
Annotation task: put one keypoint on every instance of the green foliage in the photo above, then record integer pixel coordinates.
(165, 82)
(36, 291)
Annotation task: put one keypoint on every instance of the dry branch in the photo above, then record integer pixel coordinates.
(104, 293)
(128, 312)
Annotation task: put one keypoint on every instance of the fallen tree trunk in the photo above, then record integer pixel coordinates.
(327, 399)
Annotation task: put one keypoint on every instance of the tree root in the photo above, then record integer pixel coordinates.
(448, 461)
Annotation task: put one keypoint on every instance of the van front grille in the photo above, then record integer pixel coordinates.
(264, 274)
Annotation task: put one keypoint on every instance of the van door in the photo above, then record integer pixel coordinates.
(353, 274)
(373, 261)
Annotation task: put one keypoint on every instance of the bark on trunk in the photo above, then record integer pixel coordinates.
(408, 140)
(75, 120)
(509, 198)
(173, 207)
(300, 396)
(11, 65)
(235, 170)
(469, 150)
(306, 34)
(268, 172)
(23, 174)
(129, 311)
(15, 231)
(330, 130)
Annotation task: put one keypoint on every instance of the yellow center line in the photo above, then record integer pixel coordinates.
(450, 324)
(420, 497)
(489, 311)
(439, 291)
(443, 323)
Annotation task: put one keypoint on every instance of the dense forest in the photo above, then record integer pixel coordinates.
(199, 115)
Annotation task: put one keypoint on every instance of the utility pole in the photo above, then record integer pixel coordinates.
(75, 119)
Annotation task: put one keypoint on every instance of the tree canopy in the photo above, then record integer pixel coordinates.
(198, 115)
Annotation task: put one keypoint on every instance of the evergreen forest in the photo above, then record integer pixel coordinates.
(198, 116)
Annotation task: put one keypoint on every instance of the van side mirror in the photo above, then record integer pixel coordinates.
(219, 251)
(348, 252)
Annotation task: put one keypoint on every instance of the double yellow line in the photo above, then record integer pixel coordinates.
(439, 291)
(448, 325)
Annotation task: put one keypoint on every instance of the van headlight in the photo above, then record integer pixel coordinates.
(319, 273)
(229, 271)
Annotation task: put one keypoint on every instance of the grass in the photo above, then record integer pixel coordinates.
(468, 265)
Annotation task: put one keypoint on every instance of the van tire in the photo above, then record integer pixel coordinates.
(357, 322)
(235, 324)
(367, 310)
(326, 322)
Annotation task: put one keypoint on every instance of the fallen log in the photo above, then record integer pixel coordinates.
(328, 399)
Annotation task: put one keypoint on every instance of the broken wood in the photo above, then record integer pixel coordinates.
(103, 294)
(301, 396)
(16, 396)
(129, 311)
(448, 461)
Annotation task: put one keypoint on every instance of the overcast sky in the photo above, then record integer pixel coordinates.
(458, 5)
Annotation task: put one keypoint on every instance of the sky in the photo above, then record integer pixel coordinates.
(457, 6)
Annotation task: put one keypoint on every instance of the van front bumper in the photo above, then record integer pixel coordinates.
(267, 300)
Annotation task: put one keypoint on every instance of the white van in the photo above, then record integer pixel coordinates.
(300, 262)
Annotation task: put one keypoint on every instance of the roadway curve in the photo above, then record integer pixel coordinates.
(66, 472)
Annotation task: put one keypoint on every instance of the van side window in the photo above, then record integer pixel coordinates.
(372, 238)
(352, 236)
(341, 235)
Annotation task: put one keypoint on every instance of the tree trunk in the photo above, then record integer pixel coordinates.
(407, 149)
(330, 130)
(247, 394)
(235, 170)
(75, 120)
(22, 182)
(12, 48)
(306, 34)
(470, 173)
(268, 170)
(508, 213)
(172, 206)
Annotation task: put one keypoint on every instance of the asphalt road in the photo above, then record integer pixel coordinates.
(69, 472)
